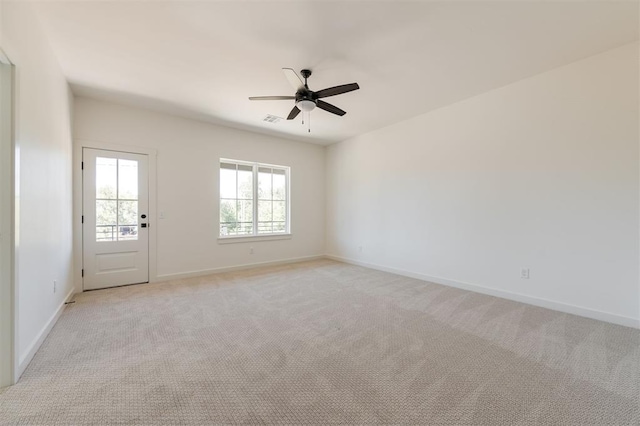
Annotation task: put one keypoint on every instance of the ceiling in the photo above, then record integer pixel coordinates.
(204, 59)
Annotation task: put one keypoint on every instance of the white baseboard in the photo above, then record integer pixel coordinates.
(531, 300)
(35, 345)
(202, 272)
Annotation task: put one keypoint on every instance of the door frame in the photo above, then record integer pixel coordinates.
(9, 243)
(152, 154)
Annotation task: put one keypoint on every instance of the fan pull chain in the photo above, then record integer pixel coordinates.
(308, 120)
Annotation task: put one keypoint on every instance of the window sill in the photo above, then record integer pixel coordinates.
(253, 238)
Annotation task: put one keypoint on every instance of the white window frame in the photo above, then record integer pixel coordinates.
(255, 236)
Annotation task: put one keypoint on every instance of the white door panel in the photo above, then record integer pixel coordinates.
(115, 218)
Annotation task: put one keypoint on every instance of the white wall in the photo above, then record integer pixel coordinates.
(541, 174)
(43, 106)
(188, 153)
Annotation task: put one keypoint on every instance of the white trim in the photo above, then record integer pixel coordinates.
(37, 342)
(78, 145)
(116, 147)
(8, 231)
(530, 300)
(202, 272)
(253, 238)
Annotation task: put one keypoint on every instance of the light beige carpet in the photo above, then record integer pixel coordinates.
(324, 342)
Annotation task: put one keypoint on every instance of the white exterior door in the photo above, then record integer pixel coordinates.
(115, 218)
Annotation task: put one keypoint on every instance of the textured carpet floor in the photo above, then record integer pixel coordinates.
(324, 342)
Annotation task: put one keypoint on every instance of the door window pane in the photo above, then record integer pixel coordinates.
(106, 178)
(127, 233)
(127, 179)
(127, 213)
(106, 220)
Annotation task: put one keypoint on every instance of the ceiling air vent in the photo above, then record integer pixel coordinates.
(272, 119)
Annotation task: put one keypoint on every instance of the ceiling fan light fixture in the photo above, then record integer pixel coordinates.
(305, 105)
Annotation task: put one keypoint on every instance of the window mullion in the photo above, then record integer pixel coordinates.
(236, 200)
(255, 199)
(117, 199)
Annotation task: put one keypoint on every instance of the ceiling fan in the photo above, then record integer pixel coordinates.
(305, 98)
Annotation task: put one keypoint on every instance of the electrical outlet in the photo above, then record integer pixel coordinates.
(360, 249)
(524, 273)
(250, 250)
(161, 215)
(55, 286)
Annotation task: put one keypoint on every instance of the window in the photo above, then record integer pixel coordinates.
(116, 199)
(254, 199)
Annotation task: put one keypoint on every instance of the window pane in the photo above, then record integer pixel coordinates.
(106, 220)
(230, 166)
(227, 183)
(264, 184)
(245, 184)
(245, 217)
(265, 217)
(264, 211)
(279, 185)
(127, 233)
(106, 178)
(228, 221)
(128, 179)
(279, 211)
(127, 220)
(105, 233)
(245, 211)
(279, 226)
(127, 213)
(265, 227)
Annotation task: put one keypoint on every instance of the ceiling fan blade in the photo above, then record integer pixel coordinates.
(337, 90)
(271, 98)
(294, 79)
(330, 108)
(294, 113)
